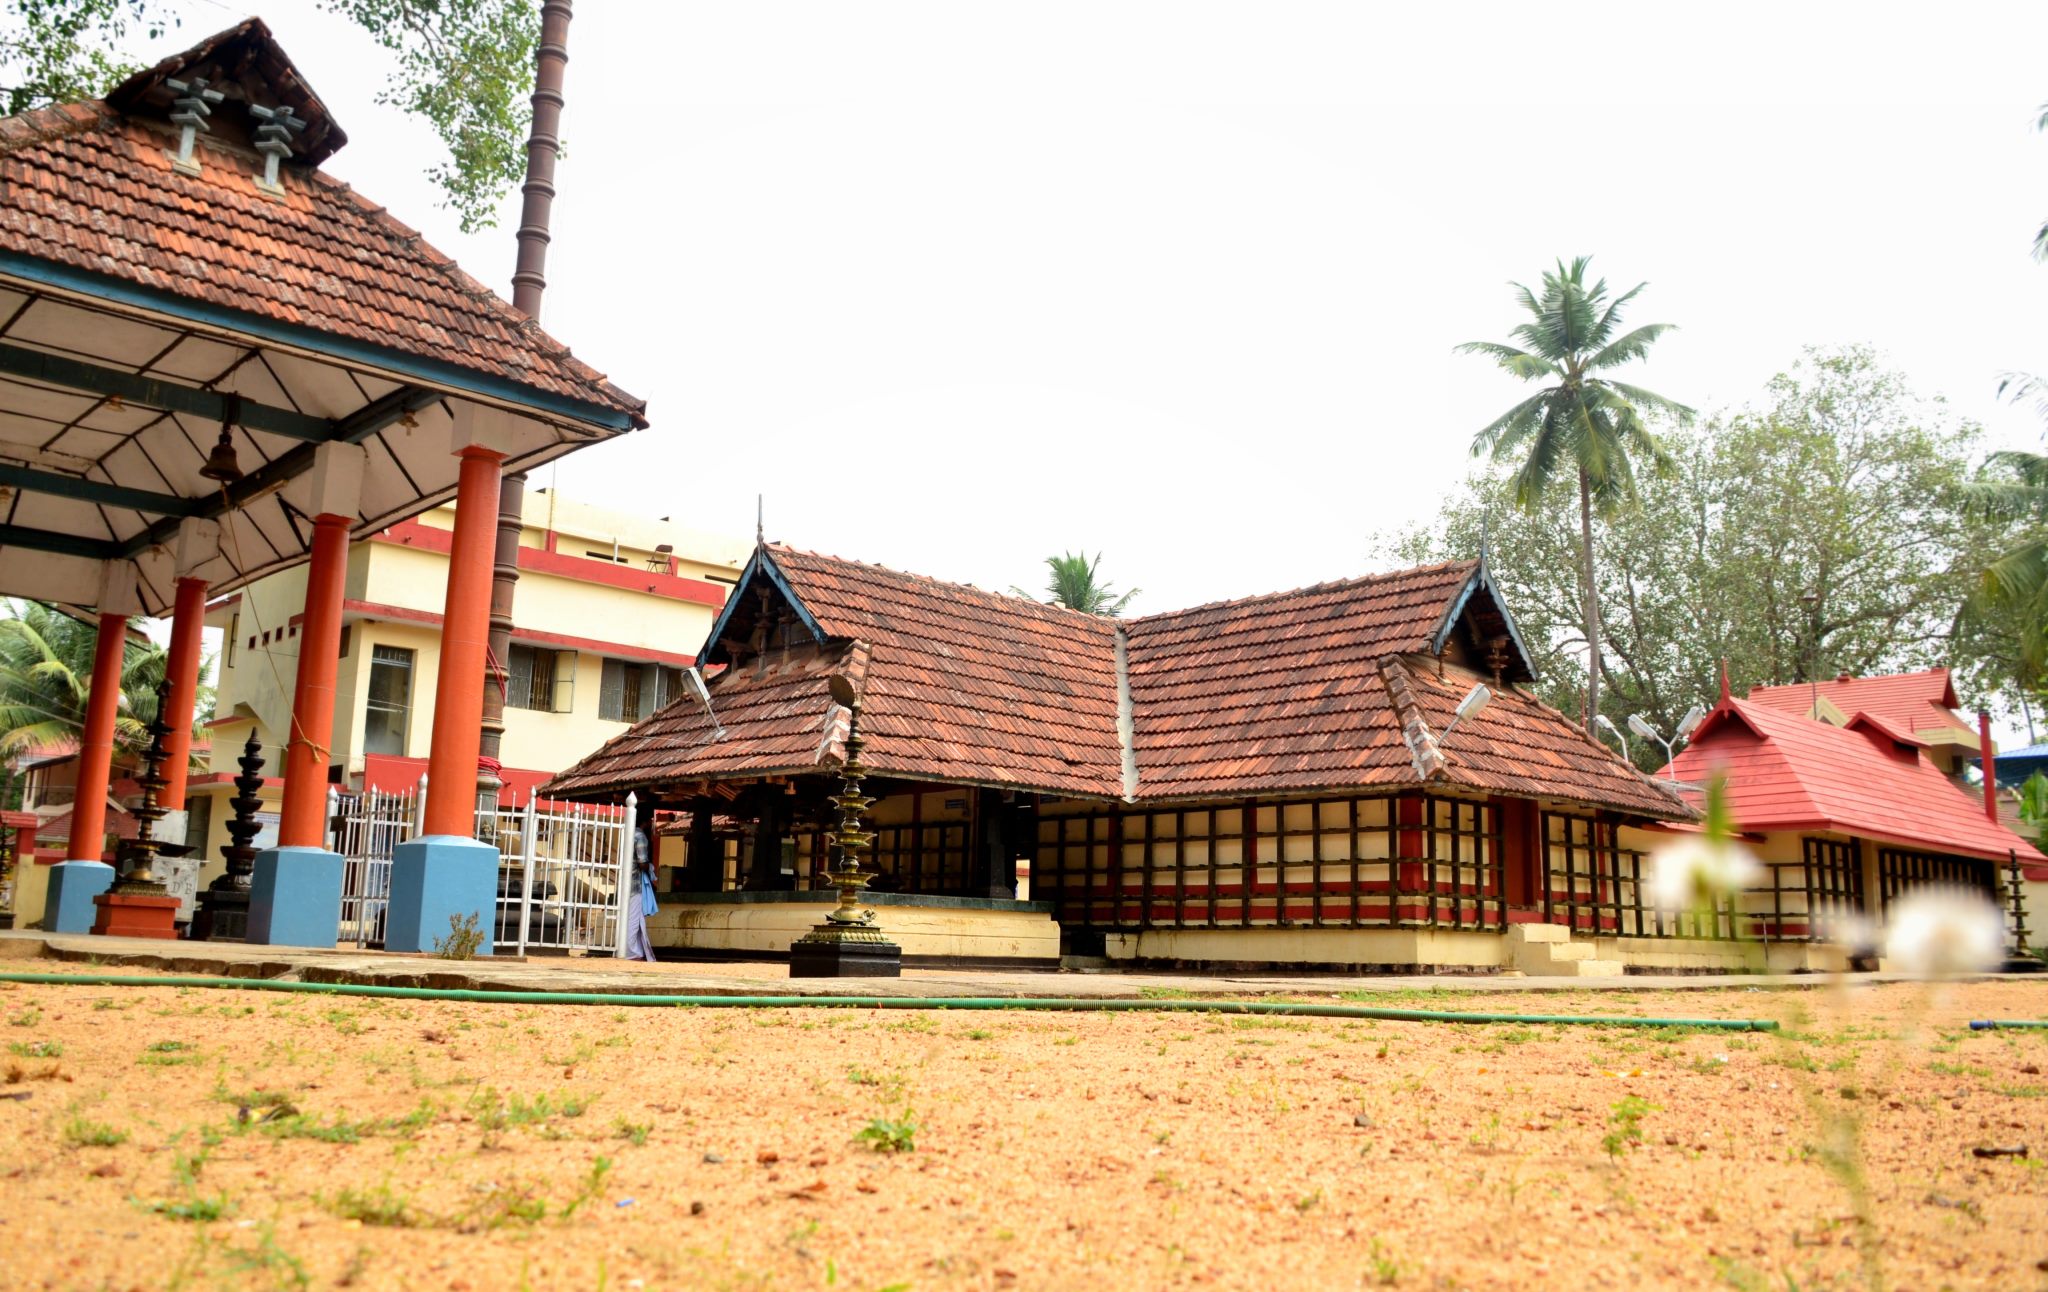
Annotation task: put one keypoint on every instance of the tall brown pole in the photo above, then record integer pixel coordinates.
(530, 279)
(529, 282)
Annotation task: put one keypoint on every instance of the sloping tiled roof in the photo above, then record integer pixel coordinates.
(1323, 689)
(1923, 701)
(87, 186)
(970, 685)
(777, 720)
(1280, 691)
(1786, 771)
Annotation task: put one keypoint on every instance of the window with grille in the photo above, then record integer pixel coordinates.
(540, 679)
(389, 702)
(630, 691)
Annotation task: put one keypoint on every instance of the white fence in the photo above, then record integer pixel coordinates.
(564, 870)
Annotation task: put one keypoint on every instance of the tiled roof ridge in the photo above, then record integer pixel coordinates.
(58, 121)
(1057, 611)
(1423, 749)
(1327, 585)
(1007, 598)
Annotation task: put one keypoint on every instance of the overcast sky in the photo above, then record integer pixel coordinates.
(959, 285)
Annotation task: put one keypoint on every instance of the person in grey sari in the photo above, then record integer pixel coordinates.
(642, 896)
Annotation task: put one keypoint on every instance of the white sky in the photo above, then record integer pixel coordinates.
(960, 285)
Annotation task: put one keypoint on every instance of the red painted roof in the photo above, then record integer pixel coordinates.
(88, 185)
(1318, 690)
(1922, 701)
(1786, 771)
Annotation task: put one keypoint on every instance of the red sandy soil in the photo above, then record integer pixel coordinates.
(1050, 1150)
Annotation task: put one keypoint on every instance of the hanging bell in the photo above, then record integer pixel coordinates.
(221, 464)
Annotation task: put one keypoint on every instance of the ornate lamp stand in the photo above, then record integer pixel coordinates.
(138, 905)
(224, 906)
(847, 944)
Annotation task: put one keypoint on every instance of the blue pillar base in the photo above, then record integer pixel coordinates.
(67, 905)
(435, 879)
(295, 898)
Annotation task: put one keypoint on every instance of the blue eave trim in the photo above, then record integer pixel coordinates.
(1480, 578)
(761, 565)
(46, 273)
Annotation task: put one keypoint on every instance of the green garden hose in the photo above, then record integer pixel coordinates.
(1175, 1005)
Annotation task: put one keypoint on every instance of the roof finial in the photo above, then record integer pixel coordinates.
(1485, 531)
(1724, 679)
(274, 141)
(760, 523)
(194, 104)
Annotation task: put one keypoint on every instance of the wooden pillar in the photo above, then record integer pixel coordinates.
(96, 742)
(188, 620)
(771, 819)
(465, 635)
(704, 862)
(308, 751)
(998, 835)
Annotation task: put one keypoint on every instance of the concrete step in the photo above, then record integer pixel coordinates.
(1539, 933)
(1563, 951)
(1601, 969)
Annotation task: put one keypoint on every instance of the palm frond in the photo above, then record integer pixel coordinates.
(1650, 400)
(1520, 363)
(1627, 349)
(1610, 317)
(1501, 436)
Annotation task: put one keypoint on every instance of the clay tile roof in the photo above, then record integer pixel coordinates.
(1786, 771)
(89, 186)
(970, 685)
(1913, 702)
(1321, 689)
(777, 721)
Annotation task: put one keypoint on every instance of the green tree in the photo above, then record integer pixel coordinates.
(463, 66)
(1582, 423)
(2011, 599)
(1825, 530)
(45, 680)
(1075, 581)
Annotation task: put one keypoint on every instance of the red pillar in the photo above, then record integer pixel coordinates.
(96, 743)
(188, 618)
(308, 748)
(465, 637)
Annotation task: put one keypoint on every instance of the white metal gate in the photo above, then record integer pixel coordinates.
(564, 870)
(364, 828)
(567, 877)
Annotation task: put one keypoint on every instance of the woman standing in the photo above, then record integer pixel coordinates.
(640, 903)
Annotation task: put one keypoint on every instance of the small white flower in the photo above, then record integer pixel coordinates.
(1697, 871)
(1849, 930)
(1938, 933)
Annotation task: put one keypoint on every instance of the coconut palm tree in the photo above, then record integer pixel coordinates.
(1582, 422)
(46, 674)
(1075, 581)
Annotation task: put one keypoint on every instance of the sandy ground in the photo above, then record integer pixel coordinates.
(196, 1139)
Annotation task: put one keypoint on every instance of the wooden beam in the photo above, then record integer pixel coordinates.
(59, 485)
(353, 429)
(42, 540)
(152, 392)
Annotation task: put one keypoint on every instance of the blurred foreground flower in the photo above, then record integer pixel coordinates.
(1697, 873)
(1939, 933)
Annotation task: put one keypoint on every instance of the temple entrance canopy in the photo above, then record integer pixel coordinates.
(158, 292)
(217, 362)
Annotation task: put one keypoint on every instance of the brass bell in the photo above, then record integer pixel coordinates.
(221, 464)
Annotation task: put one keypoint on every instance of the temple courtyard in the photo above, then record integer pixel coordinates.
(198, 1138)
